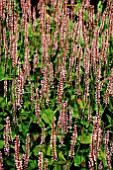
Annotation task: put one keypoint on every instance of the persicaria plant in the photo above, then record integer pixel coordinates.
(56, 85)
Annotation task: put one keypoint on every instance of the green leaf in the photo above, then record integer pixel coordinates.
(85, 139)
(24, 114)
(5, 78)
(101, 155)
(101, 109)
(10, 163)
(1, 126)
(78, 160)
(49, 150)
(33, 164)
(90, 128)
(100, 7)
(47, 116)
(20, 127)
(72, 97)
(1, 99)
(85, 15)
(80, 103)
(23, 147)
(109, 119)
(57, 167)
(61, 156)
(35, 150)
(71, 24)
(1, 144)
(76, 8)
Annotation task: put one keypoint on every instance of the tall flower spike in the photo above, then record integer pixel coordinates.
(7, 135)
(73, 141)
(40, 160)
(5, 88)
(26, 156)
(53, 141)
(107, 151)
(1, 161)
(37, 107)
(17, 156)
(46, 165)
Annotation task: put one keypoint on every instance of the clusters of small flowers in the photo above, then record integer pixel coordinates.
(107, 150)
(35, 60)
(63, 121)
(12, 25)
(34, 18)
(32, 94)
(19, 88)
(46, 86)
(44, 35)
(1, 161)
(5, 42)
(7, 136)
(5, 88)
(91, 56)
(2, 9)
(37, 107)
(95, 142)
(55, 42)
(24, 16)
(111, 19)
(78, 68)
(60, 88)
(10, 14)
(53, 141)
(109, 90)
(67, 166)
(73, 142)
(86, 66)
(111, 146)
(26, 156)
(97, 94)
(26, 34)
(26, 66)
(100, 167)
(89, 112)
(40, 160)
(46, 164)
(51, 76)
(18, 161)
(14, 51)
(28, 9)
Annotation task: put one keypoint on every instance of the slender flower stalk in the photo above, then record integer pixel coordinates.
(7, 136)
(37, 107)
(60, 88)
(73, 142)
(53, 141)
(1, 161)
(5, 88)
(26, 155)
(43, 136)
(32, 94)
(18, 161)
(46, 164)
(107, 151)
(40, 160)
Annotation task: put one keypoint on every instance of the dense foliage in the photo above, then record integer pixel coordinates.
(56, 85)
